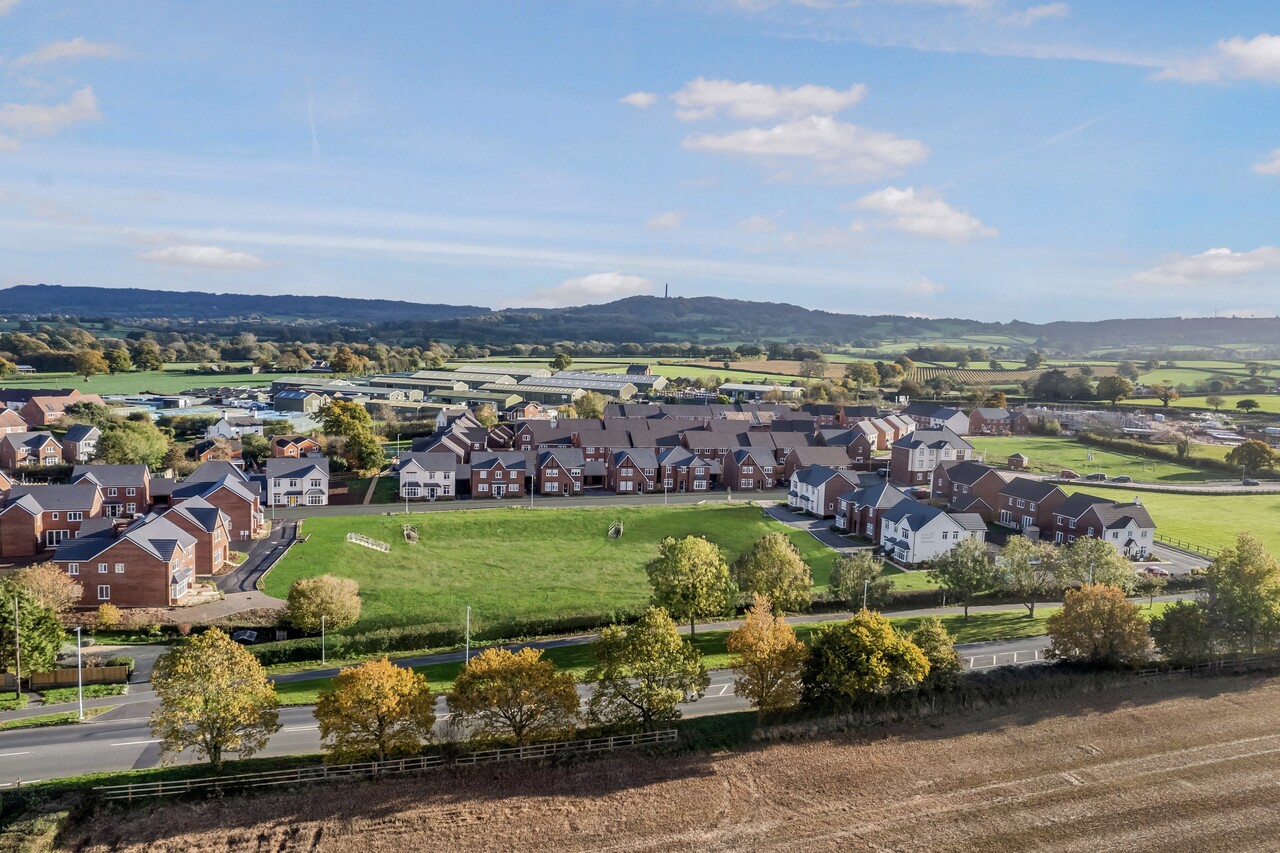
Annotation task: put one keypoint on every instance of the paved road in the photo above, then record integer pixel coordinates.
(818, 528)
(121, 739)
(262, 555)
(1180, 562)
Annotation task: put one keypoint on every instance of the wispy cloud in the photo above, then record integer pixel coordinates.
(7, 6)
(702, 99)
(758, 225)
(925, 287)
(666, 221)
(208, 257)
(1213, 264)
(24, 120)
(70, 51)
(1032, 15)
(643, 100)
(1235, 58)
(586, 290)
(1269, 167)
(924, 214)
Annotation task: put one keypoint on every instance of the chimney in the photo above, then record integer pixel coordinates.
(666, 291)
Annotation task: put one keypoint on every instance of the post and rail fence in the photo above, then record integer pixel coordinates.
(375, 769)
(1192, 547)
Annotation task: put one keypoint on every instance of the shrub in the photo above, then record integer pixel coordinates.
(108, 616)
(340, 646)
(335, 599)
(121, 660)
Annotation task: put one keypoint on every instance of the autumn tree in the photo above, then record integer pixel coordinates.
(147, 355)
(861, 374)
(859, 581)
(767, 659)
(1252, 456)
(1243, 605)
(50, 586)
(691, 579)
(1166, 394)
(107, 616)
(1094, 561)
(515, 695)
(1182, 634)
(862, 656)
(562, 361)
(1114, 389)
(38, 628)
(643, 672)
(1028, 570)
(964, 572)
(1097, 624)
(345, 361)
(938, 646)
(375, 711)
(118, 360)
(89, 362)
(487, 415)
(996, 399)
(589, 405)
(343, 418)
(336, 599)
(773, 568)
(1149, 586)
(1215, 401)
(214, 698)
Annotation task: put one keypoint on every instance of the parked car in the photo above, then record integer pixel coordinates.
(1068, 474)
(883, 472)
(1123, 478)
(1157, 571)
(1097, 476)
(1249, 481)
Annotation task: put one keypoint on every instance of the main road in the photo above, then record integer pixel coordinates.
(121, 739)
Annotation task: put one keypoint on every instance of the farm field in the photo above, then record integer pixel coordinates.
(1164, 765)
(983, 375)
(172, 380)
(1212, 520)
(1267, 402)
(516, 566)
(1050, 455)
(690, 370)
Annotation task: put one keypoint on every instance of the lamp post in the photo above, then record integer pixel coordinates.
(17, 652)
(322, 651)
(865, 583)
(466, 654)
(79, 675)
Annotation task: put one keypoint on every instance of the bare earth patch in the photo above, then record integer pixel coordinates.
(1168, 765)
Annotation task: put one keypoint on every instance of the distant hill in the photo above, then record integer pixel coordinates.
(120, 303)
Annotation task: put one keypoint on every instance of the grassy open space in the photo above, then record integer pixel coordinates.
(173, 379)
(65, 718)
(1050, 455)
(1266, 402)
(1212, 520)
(516, 566)
(91, 691)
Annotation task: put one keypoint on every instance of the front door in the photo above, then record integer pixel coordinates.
(499, 491)
(433, 492)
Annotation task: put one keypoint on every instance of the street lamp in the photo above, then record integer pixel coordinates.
(466, 654)
(322, 654)
(17, 652)
(79, 675)
(865, 583)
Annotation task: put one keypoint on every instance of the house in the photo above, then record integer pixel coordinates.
(860, 512)
(230, 490)
(968, 486)
(46, 407)
(499, 474)
(297, 400)
(934, 416)
(1127, 526)
(25, 368)
(29, 448)
(912, 532)
(39, 517)
(750, 469)
(211, 529)
(914, 457)
(1028, 505)
(151, 563)
(816, 489)
(218, 450)
(802, 457)
(80, 443)
(295, 447)
(126, 489)
(683, 471)
(824, 414)
(559, 471)
(998, 422)
(430, 476)
(639, 370)
(11, 421)
(858, 441)
(850, 415)
(631, 471)
(234, 426)
(295, 482)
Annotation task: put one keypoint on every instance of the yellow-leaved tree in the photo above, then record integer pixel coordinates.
(214, 698)
(517, 696)
(335, 599)
(375, 710)
(768, 658)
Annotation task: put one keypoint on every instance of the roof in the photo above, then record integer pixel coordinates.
(996, 414)
(969, 521)
(1117, 515)
(878, 495)
(819, 475)
(1030, 489)
(922, 409)
(1078, 504)
(35, 499)
(428, 461)
(155, 534)
(934, 439)
(641, 457)
(565, 457)
(287, 467)
(201, 513)
(833, 457)
(77, 432)
(967, 471)
(748, 455)
(515, 460)
(113, 475)
(30, 440)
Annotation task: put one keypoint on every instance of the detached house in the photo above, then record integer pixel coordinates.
(29, 448)
(915, 456)
(151, 563)
(998, 422)
(968, 486)
(11, 421)
(499, 474)
(933, 416)
(860, 512)
(80, 443)
(632, 471)
(559, 471)
(430, 476)
(1127, 526)
(126, 489)
(750, 470)
(294, 482)
(1026, 504)
(295, 447)
(47, 407)
(913, 532)
(802, 457)
(235, 426)
(682, 471)
(211, 529)
(39, 517)
(816, 489)
(230, 490)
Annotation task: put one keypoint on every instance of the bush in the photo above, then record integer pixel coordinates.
(340, 646)
(121, 660)
(108, 616)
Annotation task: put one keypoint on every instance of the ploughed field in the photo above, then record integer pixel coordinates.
(1170, 764)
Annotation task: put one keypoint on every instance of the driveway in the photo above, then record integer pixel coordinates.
(262, 555)
(818, 528)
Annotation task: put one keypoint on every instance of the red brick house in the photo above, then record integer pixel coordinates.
(682, 471)
(1127, 526)
(1026, 503)
(126, 489)
(968, 486)
(816, 489)
(11, 421)
(915, 456)
(499, 474)
(850, 415)
(750, 470)
(39, 517)
(18, 449)
(559, 471)
(151, 563)
(632, 471)
(859, 512)
(998, 422)
(230, 490)
(45, 409)
(295, 446)
(211, 529)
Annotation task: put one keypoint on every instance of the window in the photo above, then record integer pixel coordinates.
(53, 515)
(111, 493)
(747, 469)
(627, 472)
(483, 487)
(1090, 531)
(447, 475)
(553, 472)
(315, 484)
(128, 493)
(624, 485)
(277, 482)
(484, 475)
(104, 592)
(648, 472)
(102, 568)
(119, 568)
(575, 472)
(75, 516)
(1021, 504)
(73, 568)
(1115, 534)
(748, 484)
(293, 484)
(315, 500)
(411, 491)
(131, 508)
(700, 485)
(444, 490)
(552, 486)
(667, 483)
(1032, 507)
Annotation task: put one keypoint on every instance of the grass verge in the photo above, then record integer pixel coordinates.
(60, 719)
(91, 691)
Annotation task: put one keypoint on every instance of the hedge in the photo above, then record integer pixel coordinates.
(1156, 451)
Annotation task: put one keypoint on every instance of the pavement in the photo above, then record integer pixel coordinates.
(818, 528)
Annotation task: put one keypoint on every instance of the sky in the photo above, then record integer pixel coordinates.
(988, 159)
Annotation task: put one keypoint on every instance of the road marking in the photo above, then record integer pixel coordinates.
(135, 742)
(12, 754)
(298, 728)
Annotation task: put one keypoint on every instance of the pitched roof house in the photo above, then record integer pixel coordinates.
(861, 511)
(37, 517)
(29, 448)
(914, 457)
(126, 489)
(294, 482)
(1026, 503)
(151, 563)
(816, 489)
(430, 476)
(499, 474)
(913, 532)
(80, 442)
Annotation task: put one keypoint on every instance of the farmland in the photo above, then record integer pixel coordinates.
(1163, 765)
(1269, 403)
(1051, 455)
(172, 380)
(986, 376)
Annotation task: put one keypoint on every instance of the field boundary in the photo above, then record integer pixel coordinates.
(373, 769)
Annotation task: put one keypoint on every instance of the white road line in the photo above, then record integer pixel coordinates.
(135, 742)
(298, 728)
(724, 688)
(12, 754)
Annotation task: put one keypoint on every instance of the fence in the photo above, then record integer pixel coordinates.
(1222, 665)
(66, 677)
(368, 542)
(1182, 545)
(371, 769)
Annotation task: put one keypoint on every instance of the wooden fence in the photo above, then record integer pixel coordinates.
(66, 677)
(371, 769)
(1183, 545)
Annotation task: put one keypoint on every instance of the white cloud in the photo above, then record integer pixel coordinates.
(76, 48)
(758, 225)
(46, 120)
(963, 4)
(923, 213)
(209, 257)
(1231, 59)
(587, 290)
(835, 151)
(666, 221)
(8, 143)
(1215, 263)
(1269, 167)
(925, 287)
(702, 98)
(7, 6)
(1035, 14)
(643, 100)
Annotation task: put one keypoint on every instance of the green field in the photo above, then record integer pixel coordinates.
(1211, 520)
(516, 566)
(172, 380)
(1050, 455)
(1266, 402)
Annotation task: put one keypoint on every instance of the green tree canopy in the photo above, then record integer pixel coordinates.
(862, 656)
(773, 568)
(1094, 561)
(691, 579)
(965, 572)
(859, 576)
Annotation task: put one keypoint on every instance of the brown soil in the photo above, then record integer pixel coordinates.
(1168, 765)
(784, 369)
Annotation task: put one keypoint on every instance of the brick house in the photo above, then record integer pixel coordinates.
(48, 407)
(429, 476)
(1127, 526)
(858, 441)
(295, 447)
(860, 511)
(39, 517)
(151, 563)
(1026, 504)
(802, 457)
(18, 449)
(218, 449)
(683, 471)
(816, 489)
(559, 471)
(748, 469)
(211, 529)
(998, 422)
(297, 482)
(850, 415)
(632, 471)
(80, 443)
(968, 486)
(915, 456)
(230, 490)
(11, 421)
(499, 474)
(126, 489)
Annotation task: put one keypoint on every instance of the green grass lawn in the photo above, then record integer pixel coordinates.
(1050, 455)
(10, 702)
(1266, 402)
(91, 691)
(45, 720)
(171, 380)
(516, 566)
(1212, 520)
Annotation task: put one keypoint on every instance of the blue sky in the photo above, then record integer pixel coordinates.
(990, 159)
